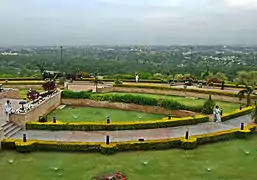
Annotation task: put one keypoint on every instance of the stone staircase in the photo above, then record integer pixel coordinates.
(10, 129)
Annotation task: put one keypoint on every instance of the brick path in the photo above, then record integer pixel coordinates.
(127, 135)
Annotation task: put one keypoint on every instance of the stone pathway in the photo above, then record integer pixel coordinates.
(128, 135)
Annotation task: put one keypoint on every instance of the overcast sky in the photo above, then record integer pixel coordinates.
(123, 22)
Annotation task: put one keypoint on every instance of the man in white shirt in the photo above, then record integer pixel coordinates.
(8, 110)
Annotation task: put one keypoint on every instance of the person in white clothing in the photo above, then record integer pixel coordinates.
(8, 110)
(217, 114)
(137, 78)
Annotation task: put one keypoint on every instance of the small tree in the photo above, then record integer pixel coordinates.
(117, 81)
(208, 106)
(249, 79)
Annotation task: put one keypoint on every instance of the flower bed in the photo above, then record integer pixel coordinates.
(87, 126)
(237, 113)
(190, 143)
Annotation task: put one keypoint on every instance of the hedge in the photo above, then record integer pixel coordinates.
(89, 126)
(171, 88)
(237, 113)
(22, 83)
(21, 79)
(229, 85)
(190, 143)
(130, 98)
(124, 80)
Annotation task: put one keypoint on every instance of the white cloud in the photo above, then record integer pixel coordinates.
(144, 2)
(240, 3)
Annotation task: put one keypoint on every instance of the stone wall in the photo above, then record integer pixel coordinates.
(127, 106)
(42, 109)
(10, 93)
(172, 92)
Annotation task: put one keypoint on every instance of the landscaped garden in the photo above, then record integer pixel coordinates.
(89, 114)
(227, 107)
(234, 159)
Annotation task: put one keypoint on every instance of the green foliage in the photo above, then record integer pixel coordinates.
(208, 106)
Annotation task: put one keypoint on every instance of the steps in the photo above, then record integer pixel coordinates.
(10, 129)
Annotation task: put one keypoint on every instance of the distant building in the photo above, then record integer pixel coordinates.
(9, 54)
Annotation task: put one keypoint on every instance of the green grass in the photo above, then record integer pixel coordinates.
(80, 114)
(225, 106)
(23, 92)
(226, 160)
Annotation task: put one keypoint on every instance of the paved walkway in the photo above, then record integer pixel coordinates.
(128, 135)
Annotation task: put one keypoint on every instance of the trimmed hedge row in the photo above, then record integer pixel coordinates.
(237, 113)
(21, 79)
(22, 83)
(191, 143)
(125, 80)
(88, 126)
(129, 98)
(212, 92)
(229, 85)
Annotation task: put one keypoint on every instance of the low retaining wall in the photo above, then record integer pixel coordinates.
(127, 106)
(42, 109)
(10, 93)
(173, 92)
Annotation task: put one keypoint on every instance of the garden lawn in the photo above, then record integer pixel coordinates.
(225, 160)
(82, 114)
(225, 106)
(23, 92)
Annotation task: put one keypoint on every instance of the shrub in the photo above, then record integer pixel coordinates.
(208, 106)
(237, 113)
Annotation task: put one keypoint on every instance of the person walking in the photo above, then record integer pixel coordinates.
(8, 110)
(217, 114)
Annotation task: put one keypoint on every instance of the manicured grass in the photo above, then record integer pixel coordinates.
(23, 92)
(225, 106)
(226, 160)
(80, 114)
